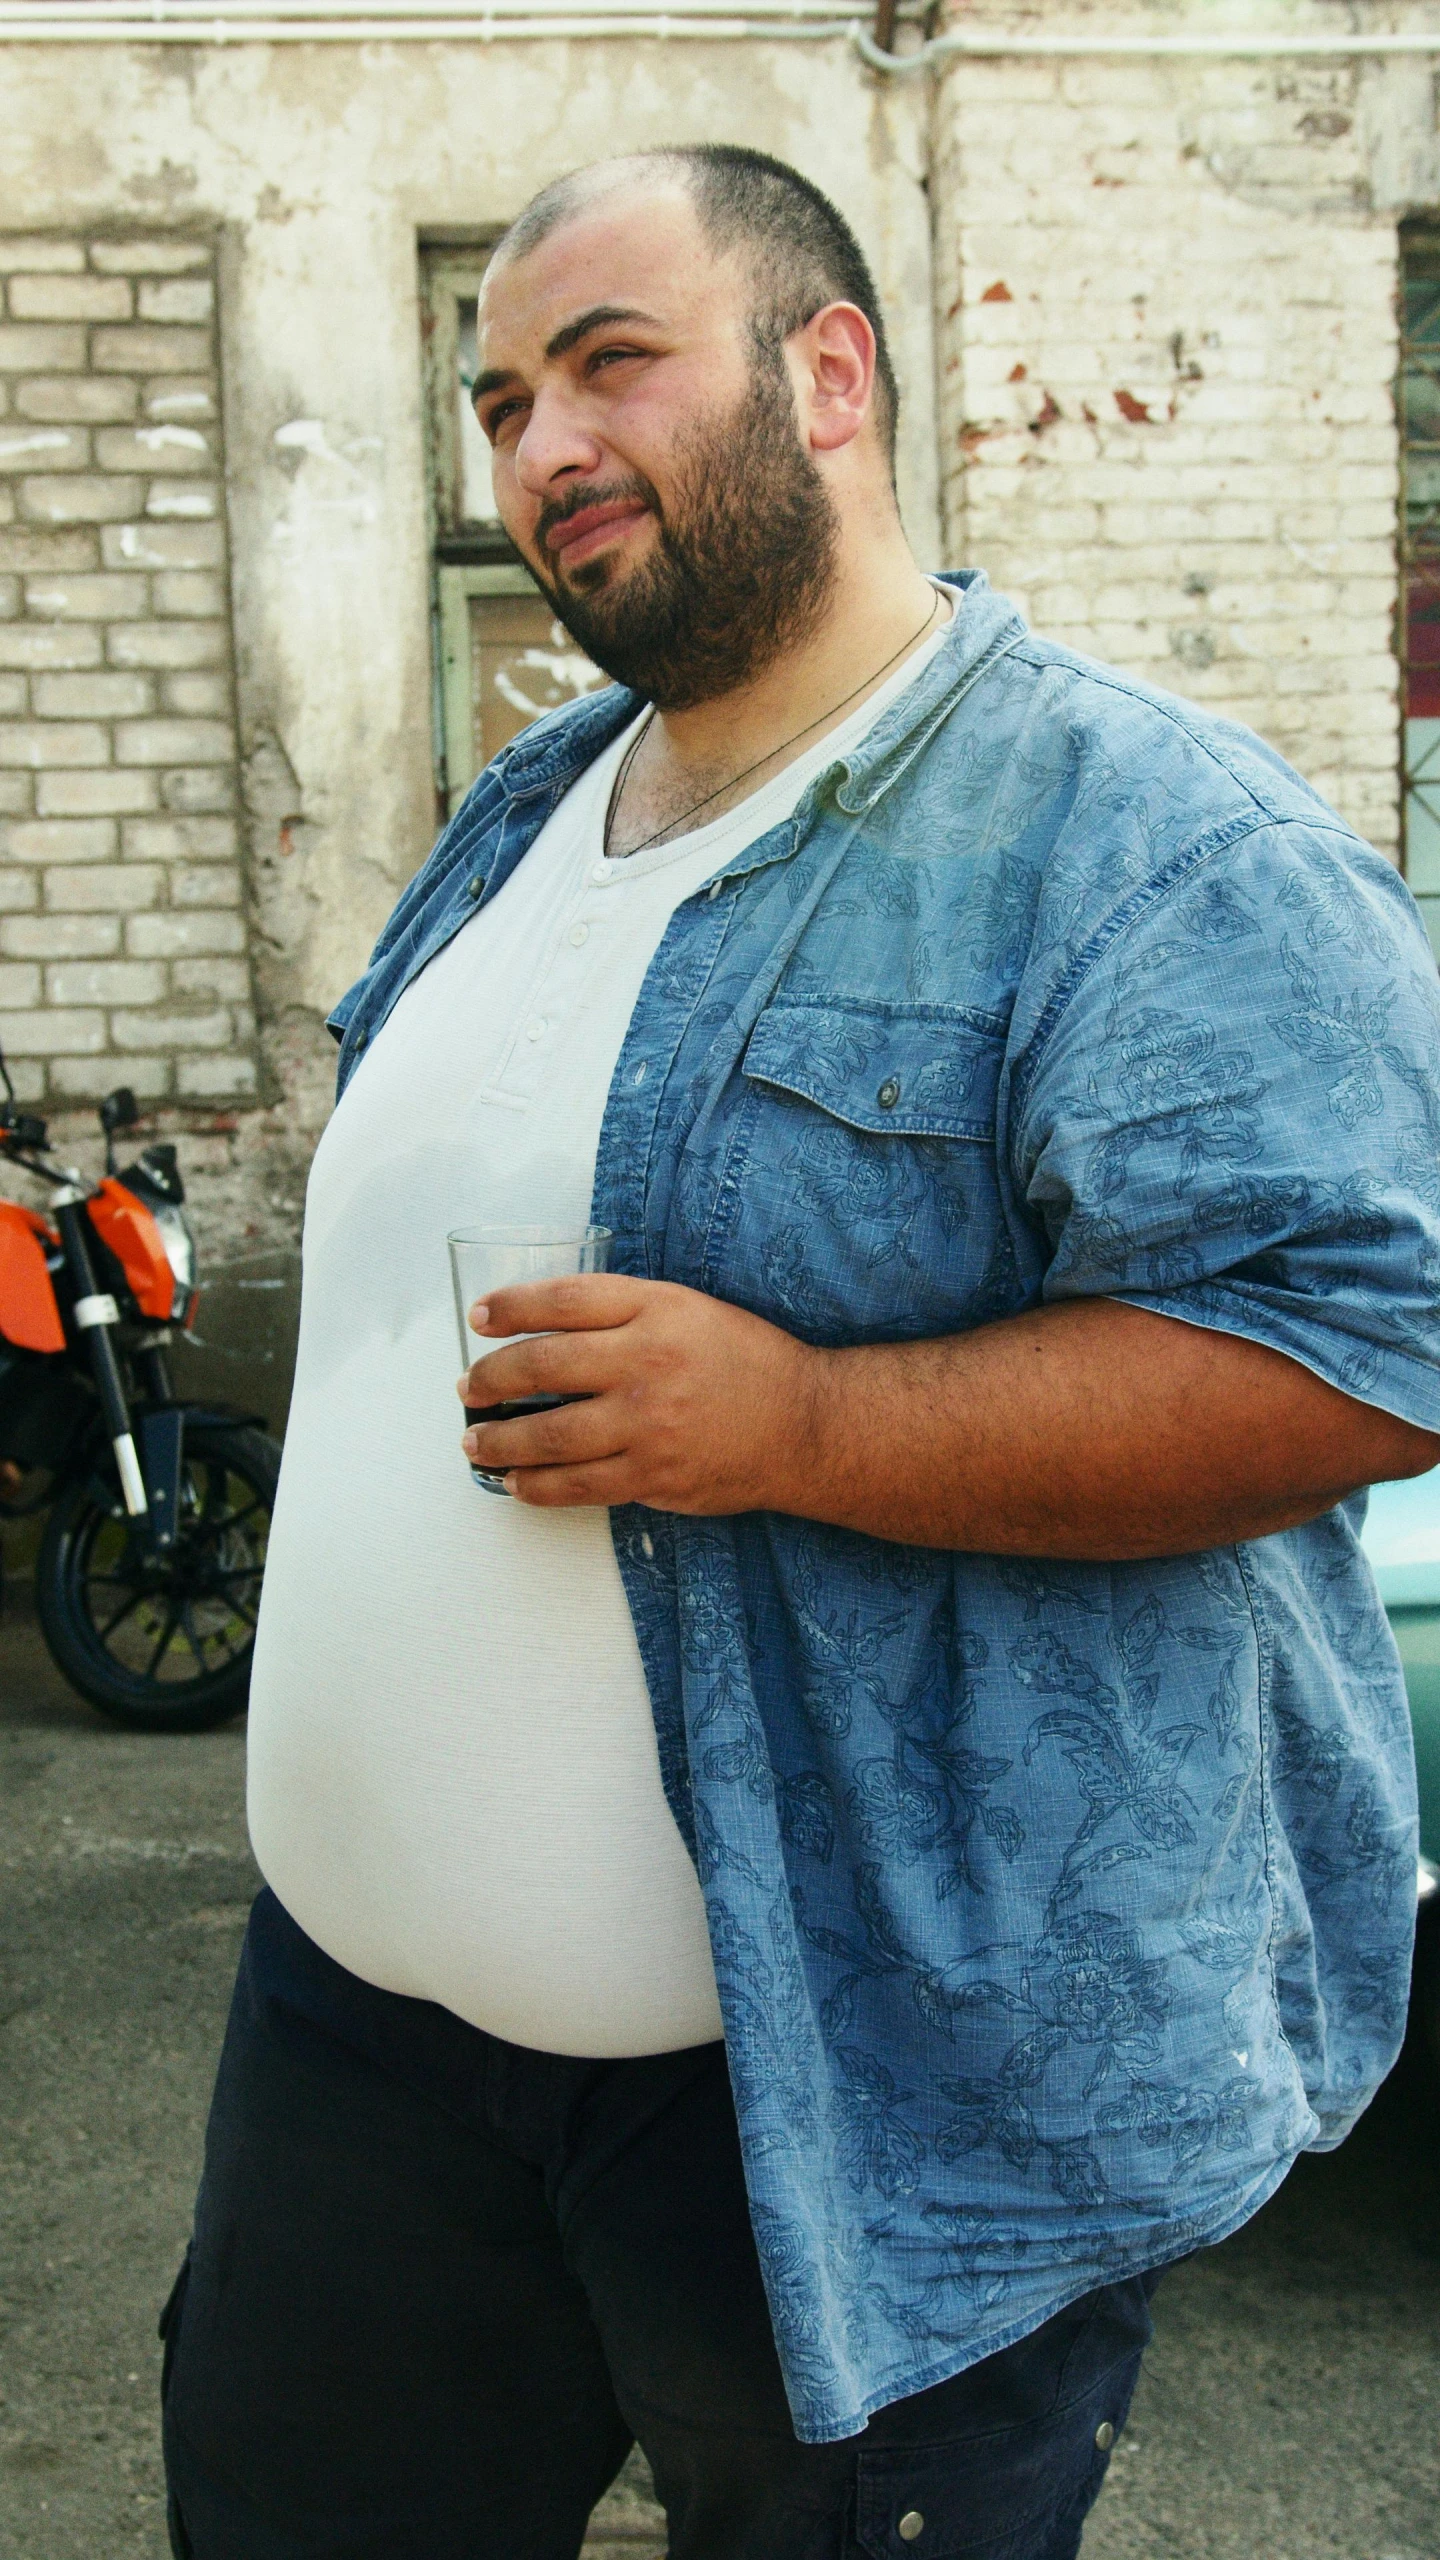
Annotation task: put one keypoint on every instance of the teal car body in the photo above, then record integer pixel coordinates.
(1402, 1541)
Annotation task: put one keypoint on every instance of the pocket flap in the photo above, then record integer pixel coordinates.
(925, 1071)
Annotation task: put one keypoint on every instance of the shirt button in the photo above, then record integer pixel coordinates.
(911, 2525)
(536, 1027)
(1104, 2436)
(475, 888)
(579, 933)
(601, 875)
(361, 1039)
(889, 1094)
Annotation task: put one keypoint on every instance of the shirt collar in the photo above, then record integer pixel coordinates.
(983, 627)
(553, 752)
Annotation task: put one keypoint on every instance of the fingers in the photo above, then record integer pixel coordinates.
(545, 1364)
(603, 1483)
(568, 1435)
(579, 1304)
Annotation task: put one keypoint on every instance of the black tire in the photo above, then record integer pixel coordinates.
(163, 1647)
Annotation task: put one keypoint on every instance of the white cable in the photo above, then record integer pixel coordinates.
(367, 21)
(359, 31)
(978, 44)
(815, 21)
(200, 14)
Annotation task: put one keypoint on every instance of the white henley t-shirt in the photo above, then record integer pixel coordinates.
(454, 1785)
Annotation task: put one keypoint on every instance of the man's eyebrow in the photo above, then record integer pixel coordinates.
(603, 315)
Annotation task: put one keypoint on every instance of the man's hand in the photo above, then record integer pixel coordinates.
(692, 1405)
(1094, 1430)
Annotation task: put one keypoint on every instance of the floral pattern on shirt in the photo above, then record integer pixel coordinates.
(1054, 1906)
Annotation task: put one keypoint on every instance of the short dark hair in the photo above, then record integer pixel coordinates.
(802, 250)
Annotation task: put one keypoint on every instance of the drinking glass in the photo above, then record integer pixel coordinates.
(483, 1259)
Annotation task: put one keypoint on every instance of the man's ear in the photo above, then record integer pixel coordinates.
(834, 356)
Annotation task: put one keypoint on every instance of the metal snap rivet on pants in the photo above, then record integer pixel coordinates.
(1104, 2435)
(911, 2525)
(887, 1097)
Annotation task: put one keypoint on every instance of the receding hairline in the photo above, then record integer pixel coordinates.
(566, 198)
(757, 214)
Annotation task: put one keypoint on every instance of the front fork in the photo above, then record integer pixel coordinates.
(95, 1314)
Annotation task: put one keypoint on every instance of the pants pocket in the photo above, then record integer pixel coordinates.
(1002, 2495)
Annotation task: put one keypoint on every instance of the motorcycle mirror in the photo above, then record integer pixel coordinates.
(119, 1110)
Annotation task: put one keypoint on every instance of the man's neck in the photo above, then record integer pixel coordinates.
(716, 754)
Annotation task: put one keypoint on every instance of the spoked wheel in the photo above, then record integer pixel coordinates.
(163, 1644)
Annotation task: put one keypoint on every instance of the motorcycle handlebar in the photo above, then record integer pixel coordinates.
(22, 1129)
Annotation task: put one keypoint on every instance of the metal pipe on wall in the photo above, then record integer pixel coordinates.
(980, 44)
(815, 21)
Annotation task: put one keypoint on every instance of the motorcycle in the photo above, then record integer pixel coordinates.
(147, 1579)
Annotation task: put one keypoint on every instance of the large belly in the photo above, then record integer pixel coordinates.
(454, 1783)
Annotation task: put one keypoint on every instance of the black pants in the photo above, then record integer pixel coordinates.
(439, 2285)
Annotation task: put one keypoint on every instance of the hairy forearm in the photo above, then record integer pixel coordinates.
(1097, 1431)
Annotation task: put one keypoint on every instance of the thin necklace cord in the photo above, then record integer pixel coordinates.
(672, 825)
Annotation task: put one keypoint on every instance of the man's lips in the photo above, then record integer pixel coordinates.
(590, 528)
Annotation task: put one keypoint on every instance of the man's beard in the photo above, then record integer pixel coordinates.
(742, 567)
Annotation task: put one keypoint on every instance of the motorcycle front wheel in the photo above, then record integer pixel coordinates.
(162, 1644)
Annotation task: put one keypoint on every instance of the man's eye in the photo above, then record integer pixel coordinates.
(613, 355)
(494, 419)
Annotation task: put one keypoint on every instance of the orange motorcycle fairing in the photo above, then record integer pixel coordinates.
(29, 1314)
(125, 1224)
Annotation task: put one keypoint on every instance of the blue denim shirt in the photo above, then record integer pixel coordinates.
(1054, 1906)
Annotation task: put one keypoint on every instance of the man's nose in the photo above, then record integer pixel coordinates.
(556, 445)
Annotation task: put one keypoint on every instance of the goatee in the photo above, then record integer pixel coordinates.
(742, 569)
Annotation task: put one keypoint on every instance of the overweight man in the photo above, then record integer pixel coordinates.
(902, 1824)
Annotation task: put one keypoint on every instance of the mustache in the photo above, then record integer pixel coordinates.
(558, 511)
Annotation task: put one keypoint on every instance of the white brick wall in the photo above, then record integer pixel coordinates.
(122, 935)
(1168, 349)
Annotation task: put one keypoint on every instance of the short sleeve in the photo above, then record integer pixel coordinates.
(1235, 1116)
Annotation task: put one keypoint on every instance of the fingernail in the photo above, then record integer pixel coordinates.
(479, 1316)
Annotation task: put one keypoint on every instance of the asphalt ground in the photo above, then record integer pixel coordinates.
(1289, 2410)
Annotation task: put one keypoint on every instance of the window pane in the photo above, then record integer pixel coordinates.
(477, 493)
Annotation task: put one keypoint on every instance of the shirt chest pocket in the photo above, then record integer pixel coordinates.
(862, 1187)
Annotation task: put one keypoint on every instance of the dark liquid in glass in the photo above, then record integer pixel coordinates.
(512, 1410)
(516, 1407)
